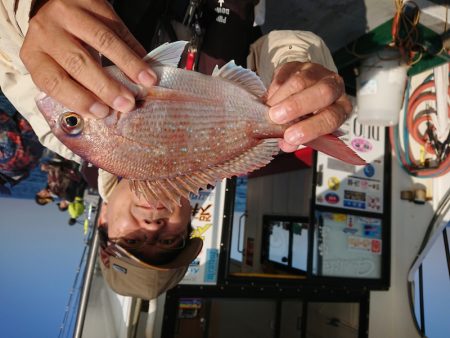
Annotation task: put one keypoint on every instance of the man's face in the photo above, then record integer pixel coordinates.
(44, 193)
(64, 204)
(133, 218)
(44, 166)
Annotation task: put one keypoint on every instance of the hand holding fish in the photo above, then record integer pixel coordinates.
(57, 52)
(298, 89)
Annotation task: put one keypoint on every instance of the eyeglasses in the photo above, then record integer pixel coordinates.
(165, 241)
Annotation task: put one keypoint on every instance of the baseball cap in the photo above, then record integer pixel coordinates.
(128, 275)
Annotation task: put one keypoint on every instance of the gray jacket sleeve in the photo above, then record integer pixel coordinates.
(278, 47)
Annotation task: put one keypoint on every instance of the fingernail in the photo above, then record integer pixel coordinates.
(99, 109)
(294, 137)
(123, 104)
(278, 114)
(147, 78)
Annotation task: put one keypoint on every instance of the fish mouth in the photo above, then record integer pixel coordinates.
(49, 108)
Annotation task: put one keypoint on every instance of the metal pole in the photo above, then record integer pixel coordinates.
(87, 282)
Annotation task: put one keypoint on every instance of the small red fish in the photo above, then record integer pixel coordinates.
(188, 131)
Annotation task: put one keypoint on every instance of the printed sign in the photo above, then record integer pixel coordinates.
(354, 187)
(349, 245)
(206, 223)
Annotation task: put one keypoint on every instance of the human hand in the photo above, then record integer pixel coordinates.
(299, 89)
(59, 52)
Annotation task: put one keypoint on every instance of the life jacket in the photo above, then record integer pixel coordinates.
(226, 27)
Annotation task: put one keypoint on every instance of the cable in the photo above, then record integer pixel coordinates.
(405, 34)
(419, 126)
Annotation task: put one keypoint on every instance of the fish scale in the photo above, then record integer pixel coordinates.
(188, 131)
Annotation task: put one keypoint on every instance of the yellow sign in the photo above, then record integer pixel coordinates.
(199, 231)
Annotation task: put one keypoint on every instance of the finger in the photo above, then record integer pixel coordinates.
(292, 78)
(82, 67)
(324, 122)
(322, 94)
(55, 82)
(280, 75)
(287, 147)
(106, 41)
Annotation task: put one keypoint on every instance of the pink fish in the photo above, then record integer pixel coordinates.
(188, 131)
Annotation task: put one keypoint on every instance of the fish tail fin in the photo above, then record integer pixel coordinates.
(335, 147)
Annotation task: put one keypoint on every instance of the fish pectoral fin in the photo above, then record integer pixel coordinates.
(168, 54)
(335, 147)
(169, 191)
(250, 160)
(244, 77)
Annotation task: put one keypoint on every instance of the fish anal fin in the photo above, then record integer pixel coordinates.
(168, 191)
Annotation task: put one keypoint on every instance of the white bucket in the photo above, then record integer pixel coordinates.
(380, 89)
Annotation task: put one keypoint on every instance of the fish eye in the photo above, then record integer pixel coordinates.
(71, 123)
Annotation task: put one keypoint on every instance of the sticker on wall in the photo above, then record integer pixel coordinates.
(350, 231)
(188, 308)
(211, 265)
(193, 270)
(334, 183)
(369, 170)
(359, 243)
(376, 246)
(372, 231)
(332, 198)
(336, 217)
(350, 228)
(199, 232)
(354, 182)
(364, 244)
(374, 186)
(361, 145)
(202, 213)
(373, 203)
(364, 184)
(355, 199)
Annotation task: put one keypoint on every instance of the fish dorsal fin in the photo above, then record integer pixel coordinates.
(168, 54)
(169, 190)
(242, 76)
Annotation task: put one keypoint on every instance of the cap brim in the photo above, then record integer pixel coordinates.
(129, 276)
